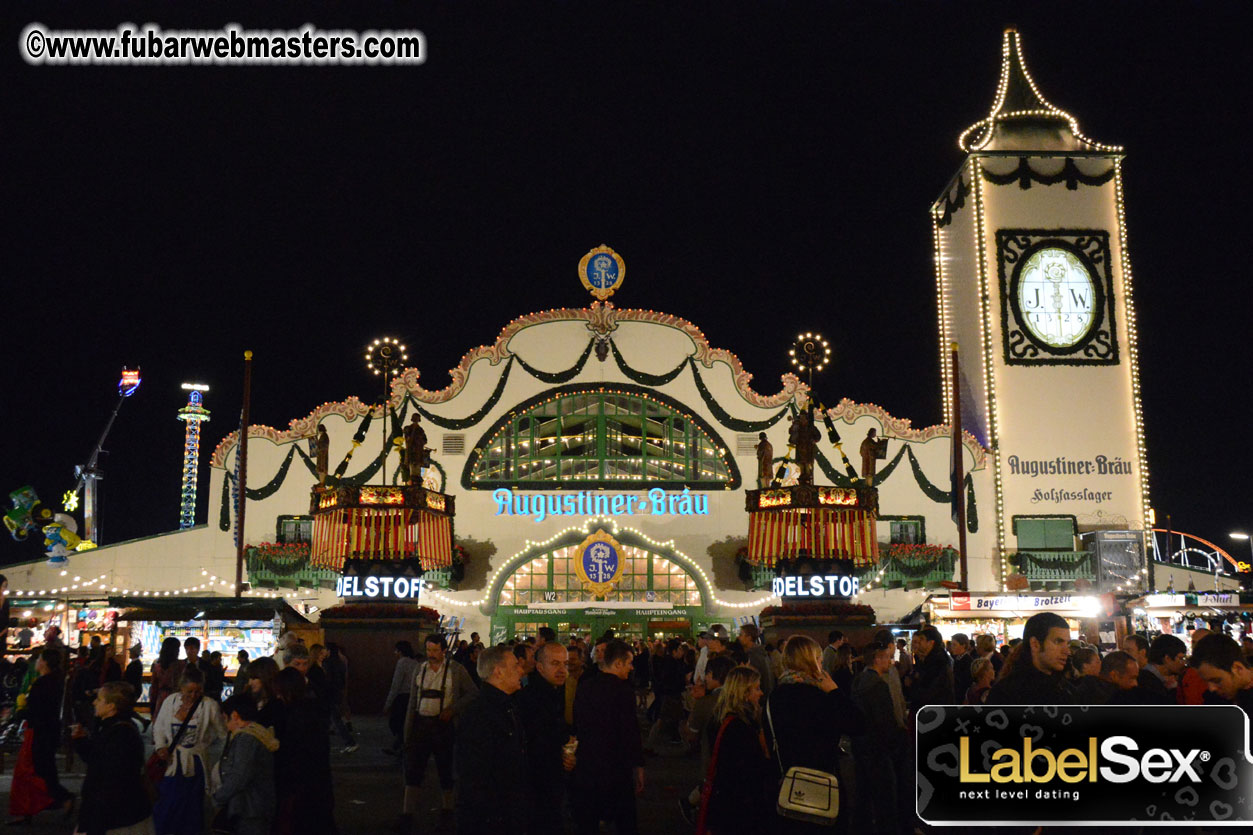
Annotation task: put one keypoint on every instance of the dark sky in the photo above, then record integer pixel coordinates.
(763, 168)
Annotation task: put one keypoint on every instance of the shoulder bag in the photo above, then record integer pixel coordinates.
(806, 794)
(155, 767)
(707, 789)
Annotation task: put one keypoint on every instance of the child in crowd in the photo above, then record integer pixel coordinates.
(246, 796)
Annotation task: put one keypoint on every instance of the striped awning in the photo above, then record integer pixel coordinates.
(380, 534)
(823, 533)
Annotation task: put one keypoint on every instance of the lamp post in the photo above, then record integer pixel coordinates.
(1244, 536)
(385, 357)
(810, 353)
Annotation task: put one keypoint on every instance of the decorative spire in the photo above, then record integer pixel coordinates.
(1021, 118)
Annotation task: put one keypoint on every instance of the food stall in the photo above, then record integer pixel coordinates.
(1092, 617)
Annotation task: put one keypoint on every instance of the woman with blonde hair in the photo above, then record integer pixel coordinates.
(741, 779)
(806, 717)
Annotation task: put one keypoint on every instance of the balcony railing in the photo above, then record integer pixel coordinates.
(1058, 569)
(910, 572)
(285, 566)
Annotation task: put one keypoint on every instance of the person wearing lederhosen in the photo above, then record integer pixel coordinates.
(440, 693)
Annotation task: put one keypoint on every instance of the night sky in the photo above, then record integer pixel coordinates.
(763, 168)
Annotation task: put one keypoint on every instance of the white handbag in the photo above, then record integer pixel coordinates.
(806, 794)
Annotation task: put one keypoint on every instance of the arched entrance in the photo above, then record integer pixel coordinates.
(657, 592)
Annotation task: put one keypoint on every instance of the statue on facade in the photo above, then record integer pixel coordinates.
(765, 461)
(322, 454)
(803, 436)
(416, 458)
(870, 455)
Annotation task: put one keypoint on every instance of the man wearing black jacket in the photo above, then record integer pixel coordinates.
(113, 796)
(963, 656)
(933, 670)
(610, 768)
(542, 708)
(490, 752)
(1168, 658)
(1035, 673)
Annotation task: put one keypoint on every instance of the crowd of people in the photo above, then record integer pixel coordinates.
(254, 763)
(537, 736)
(559, 735)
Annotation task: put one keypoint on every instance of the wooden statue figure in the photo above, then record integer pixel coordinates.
(804, 439)
(869, 456)
(415, 450)
(765, 461)
(322, 454)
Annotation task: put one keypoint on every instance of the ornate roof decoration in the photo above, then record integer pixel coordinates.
(1021, 118)
(902, 428)
(601, 318)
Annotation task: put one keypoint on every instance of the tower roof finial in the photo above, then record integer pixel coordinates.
(1021, 118)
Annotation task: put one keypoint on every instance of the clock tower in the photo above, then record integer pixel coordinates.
(1034, 288)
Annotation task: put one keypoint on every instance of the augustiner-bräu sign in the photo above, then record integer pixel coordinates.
(656, 502)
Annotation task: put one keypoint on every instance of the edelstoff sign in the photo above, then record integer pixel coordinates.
(835, 586)
(375, 587)
(656, 502)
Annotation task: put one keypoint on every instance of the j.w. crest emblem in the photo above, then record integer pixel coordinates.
(598, 563)
(602, 271)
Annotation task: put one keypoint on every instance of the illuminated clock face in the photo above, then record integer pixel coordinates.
(1057, 297)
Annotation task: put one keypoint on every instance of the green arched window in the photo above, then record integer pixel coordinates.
(624, 437)
(551, 578)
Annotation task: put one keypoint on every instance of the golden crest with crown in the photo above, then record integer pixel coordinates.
(598, 563)
(602, 271)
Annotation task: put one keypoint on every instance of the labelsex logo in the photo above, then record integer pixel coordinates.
(1040, 765)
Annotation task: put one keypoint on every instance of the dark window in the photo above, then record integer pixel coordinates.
(1043, 533)
(907, 530)
(295, 529)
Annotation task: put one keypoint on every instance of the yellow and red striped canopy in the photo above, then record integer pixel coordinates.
(380, 534)
(824, 533)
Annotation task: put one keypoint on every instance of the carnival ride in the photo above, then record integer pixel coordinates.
(1193, 552)
(60, 530)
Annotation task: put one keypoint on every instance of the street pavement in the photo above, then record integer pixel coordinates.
(369, 786)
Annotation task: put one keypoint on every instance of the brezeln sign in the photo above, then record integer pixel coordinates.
(820, 586)
(376, 587)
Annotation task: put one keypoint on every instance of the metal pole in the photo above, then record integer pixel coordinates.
(385, 422)
(959, 477)
(243, 473)
(89, 475)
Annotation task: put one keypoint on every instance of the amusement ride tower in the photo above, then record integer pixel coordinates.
(193, 414)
